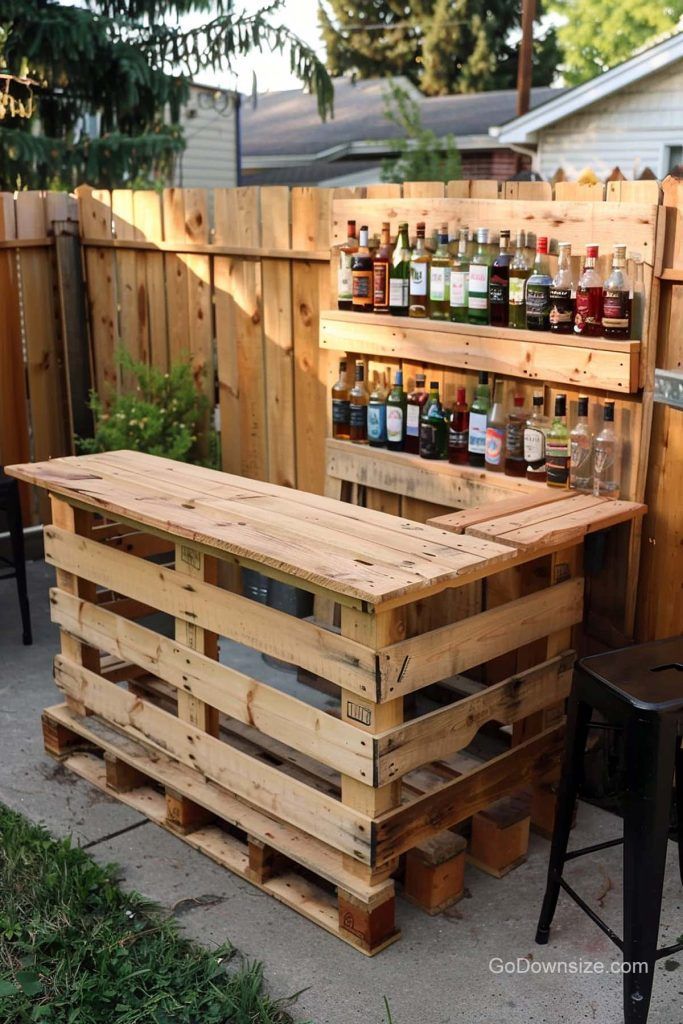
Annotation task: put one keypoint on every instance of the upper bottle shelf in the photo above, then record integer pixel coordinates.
(534, 355)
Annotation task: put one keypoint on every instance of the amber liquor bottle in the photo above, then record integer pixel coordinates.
(381, 267)
(458, 430)
(361, 275)
(415, 401)
(340, 404)
(358, 407)
(344, 277)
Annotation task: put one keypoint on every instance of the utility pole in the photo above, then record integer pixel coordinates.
(525, 56)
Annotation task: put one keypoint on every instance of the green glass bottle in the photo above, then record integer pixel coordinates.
(440, 278)
(558, 446)
(396, 414)
(399, 274)
(433, 426)
(476, 444)
(520, 270)
(480, 269)
(459, 290)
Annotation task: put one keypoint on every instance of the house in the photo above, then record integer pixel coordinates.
(284, 142)
(630, 117)
(210, 121)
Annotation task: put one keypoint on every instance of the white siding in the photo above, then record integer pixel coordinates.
(629, 130)
(210, 125)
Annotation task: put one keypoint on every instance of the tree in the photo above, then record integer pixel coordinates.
(595, 37)
(422, 156)
(129, 62)
(442, 46)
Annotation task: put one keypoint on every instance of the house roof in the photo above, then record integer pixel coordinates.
(284, 128)
(646, 62)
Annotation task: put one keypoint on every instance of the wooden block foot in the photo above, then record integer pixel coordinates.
(183, 815)
(435, 872)
(500, 836)
(122, 777)
(264, 861)
(59, 740)
(371, 925)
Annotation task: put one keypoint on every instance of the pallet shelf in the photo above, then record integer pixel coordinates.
(532, 355)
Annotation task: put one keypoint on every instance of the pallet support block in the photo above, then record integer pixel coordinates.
(183, 815)
(122, 777)
(435, 872)
(500, 836)
(58, 739)
(372, 924)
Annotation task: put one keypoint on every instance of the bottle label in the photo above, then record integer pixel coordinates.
(340, 410)
(615, 309)
(514, 439)
(534, 445)
(479, 278)
(498, 294)
(413, 420)
(459, 289)
(418, 278)
(380, 279)
(429, 441)
(580, 462)
(394, 423)
(604, 468)
(557, 460)
(437, 284)
(561, 306)
(358, 416)
(588, 303)
(537, 301)
(495, 438)
(458, 439)
(477, 438)
(345, 279)
(377, 422)
(362, 287)
(516, 295)
(398, 292)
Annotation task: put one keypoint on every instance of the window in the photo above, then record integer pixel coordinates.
(673, 156)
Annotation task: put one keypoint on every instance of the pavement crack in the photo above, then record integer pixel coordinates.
(114, 835)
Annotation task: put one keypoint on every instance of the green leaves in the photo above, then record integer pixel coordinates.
(422, 156)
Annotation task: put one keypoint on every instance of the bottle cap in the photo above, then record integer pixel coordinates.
(542, 245)
(351, 226)
(620, 251)
(565, 246)
(460, 395)
(608, 412)
(583, 405)
(519, 401)
(592, 251)
(420, 378)
(538, 398)
(420, 227)
(398, 379)
(521, 239)
(483, 377)
(505, 233)
(342, 365)
(560, 405)
(482, 235)
(434, 385)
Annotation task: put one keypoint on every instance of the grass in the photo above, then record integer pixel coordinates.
(76, 949)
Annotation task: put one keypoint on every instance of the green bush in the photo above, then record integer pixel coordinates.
(160, 416)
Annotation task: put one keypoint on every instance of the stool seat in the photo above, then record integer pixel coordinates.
(649, 677)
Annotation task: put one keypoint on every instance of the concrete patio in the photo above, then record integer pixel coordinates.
(439, 973)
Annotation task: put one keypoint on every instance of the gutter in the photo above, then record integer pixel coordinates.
(238, 137)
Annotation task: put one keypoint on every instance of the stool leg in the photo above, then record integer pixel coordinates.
(679, 801)
(578, 719)
(18, 558)
(650, 756)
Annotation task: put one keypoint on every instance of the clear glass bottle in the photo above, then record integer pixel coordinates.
(399, 274)
(358, 407)
(377, 415)
(340, 404)
(535, 431)
(361, 275)
(496, 424)
(396, 414)
(557, 446)
(433, 426)
(514, 439)
(587, 314)
(459, 289)
(638, 305)
(458, 429)
(479, 410)
(606, 461)
(581, 443)
(537, 295)
(617, 298)
(414, 404)
(380, 272)
(562, 292)
(499, 285)
(419, 276)
(344, 276)
(440, 278)
(518, 277)
(478, 280)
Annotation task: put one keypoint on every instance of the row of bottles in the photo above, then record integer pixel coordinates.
(504, 290)
(485, 434)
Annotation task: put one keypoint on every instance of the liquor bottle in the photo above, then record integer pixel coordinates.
(538, 289)
(638, 304)
(617, 298)
(361, 275)
(340, 404)
(377, 415)
(580, 444)
(496, 424)
(396, 414)
(380, 272)
(358, 407)
(606, 457)
(419, 276)
(562, 292)
(458, 430)
(459, 288)
(478, 281)
(399, 274)
(433, 426)
(499, 287)
(514, 439)
(344, 279)
(557, 446)
(476, 441)
(535, 431)
(589, 297)
(519, 275)
(440, 278)
(414, 403)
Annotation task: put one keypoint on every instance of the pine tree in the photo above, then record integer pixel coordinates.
(442, 46)
(130, 62)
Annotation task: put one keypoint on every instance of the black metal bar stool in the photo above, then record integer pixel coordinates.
(11, 506)
(639, 690)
